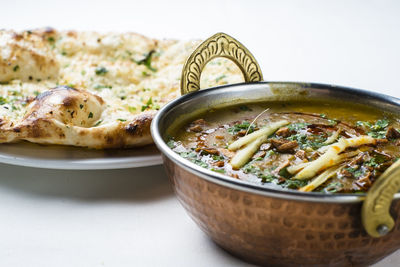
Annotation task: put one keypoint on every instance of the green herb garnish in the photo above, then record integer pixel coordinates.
(297, 126)
(51, 41)
(217, 157)
(241, 126)
(192, 156)
(220, 77)
(245, 108)
(377, 130)
(294, 184)
(333, 187)
(356, 172)
(3, 100)
(101, 86)
(146, 61)
(171, 143)
(218, 170)
(101, 71)
(150, 104)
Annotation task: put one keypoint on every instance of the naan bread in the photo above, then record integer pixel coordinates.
(90, 89)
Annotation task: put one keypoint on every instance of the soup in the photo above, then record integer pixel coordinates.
(315, 146)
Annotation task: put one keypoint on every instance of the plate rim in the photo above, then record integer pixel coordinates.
(82, 164)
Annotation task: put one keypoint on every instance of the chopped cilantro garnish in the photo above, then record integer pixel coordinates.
(101, 71)
(146, 61)
(363, 124)
(218, 170)
(192, 156)
(131, 109)
(3, 100)
(15, 93)
(264, 175)
(16, 68)
(377, 130)
(270, 153)
(267, 178)
(217, 157)
(241, 126)
(308, 140)
(376, 161)
(333, 187)
(297, 126)
(380, 125)
(220, 77)
(51, 41)
(356, 172)
(372, 163)
(284, 173)
(98, 123)
(121, 120)
(245, 108)
(81, 106)
(101, 86)
(149, 104)
(294, 184)
(200, 163)
(90, 115)
(171, 143)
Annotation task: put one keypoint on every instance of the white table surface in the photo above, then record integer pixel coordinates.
(130, 217)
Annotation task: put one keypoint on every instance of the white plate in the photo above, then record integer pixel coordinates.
(73, 158)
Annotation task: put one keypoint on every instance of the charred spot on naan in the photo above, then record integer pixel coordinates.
(140, 126)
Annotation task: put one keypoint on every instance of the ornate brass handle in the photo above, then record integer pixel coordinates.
(375, 211)
(218, 45)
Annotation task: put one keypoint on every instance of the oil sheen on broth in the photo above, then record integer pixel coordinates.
(315, 146)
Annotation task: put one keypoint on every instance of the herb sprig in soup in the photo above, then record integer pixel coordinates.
(294, 146)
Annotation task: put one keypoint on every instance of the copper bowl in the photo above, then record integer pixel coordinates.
(276, 227)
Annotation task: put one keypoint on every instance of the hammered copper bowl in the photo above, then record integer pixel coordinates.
(270, 226)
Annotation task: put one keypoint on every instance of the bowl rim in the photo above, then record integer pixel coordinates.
(240, 185)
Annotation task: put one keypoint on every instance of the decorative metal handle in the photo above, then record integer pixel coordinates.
(375, 210)
(218, 45)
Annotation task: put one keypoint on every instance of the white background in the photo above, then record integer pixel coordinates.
(131, 217)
